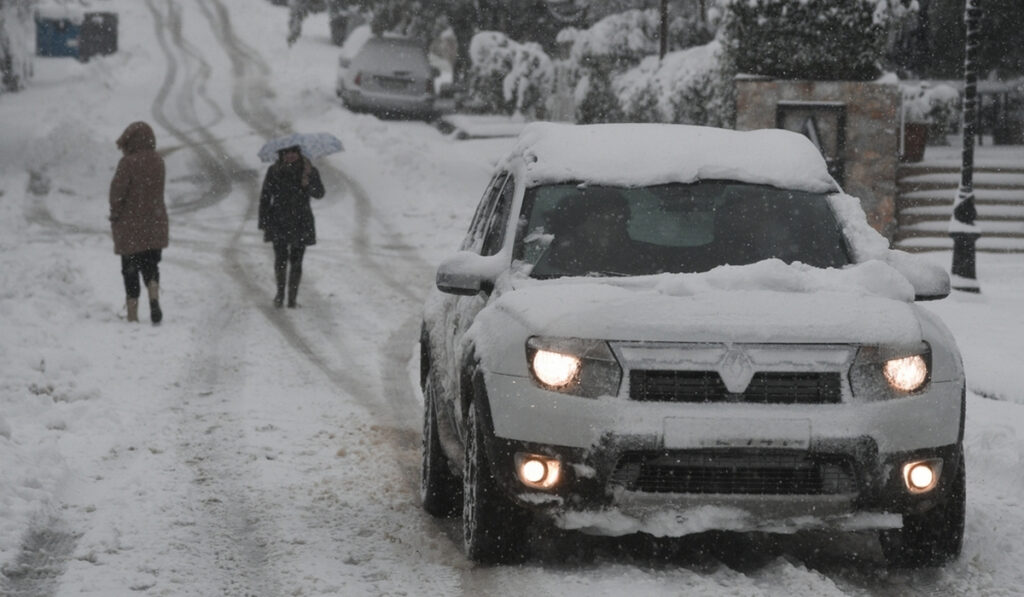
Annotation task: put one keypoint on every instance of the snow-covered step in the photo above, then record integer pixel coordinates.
(943, 211)
(924, 205)
(985, 244)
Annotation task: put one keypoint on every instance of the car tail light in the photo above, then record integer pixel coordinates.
(359, 79)
(429, 86)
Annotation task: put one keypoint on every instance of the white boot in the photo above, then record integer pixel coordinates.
(132, 307)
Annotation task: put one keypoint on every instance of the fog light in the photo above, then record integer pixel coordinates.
(539, 472)
(922, 476)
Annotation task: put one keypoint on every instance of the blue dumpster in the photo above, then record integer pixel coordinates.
(57, 35)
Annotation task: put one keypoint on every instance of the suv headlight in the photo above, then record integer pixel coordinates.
(574, 366)
(882, 372)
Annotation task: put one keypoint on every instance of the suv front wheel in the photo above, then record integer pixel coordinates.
(493, 528)
(439, 488)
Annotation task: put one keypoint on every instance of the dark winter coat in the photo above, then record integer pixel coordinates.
(138, 215)
(285, 214)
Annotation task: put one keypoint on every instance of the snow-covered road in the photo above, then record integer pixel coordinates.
(243, 450)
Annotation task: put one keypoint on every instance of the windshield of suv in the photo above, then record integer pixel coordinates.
(575, 230)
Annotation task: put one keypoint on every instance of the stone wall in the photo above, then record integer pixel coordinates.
(869, 139)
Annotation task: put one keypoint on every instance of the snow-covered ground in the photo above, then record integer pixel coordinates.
(241, 450)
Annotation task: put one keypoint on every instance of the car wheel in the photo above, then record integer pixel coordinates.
(933, 537)
(493, 529)
(439, 488)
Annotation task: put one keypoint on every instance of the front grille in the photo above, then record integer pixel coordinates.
(705, 472)
(766, 387)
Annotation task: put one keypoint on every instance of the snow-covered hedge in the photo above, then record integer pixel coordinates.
(612, 71)
(507, 76)
(692, 86)
(811, 39)
(16, 43)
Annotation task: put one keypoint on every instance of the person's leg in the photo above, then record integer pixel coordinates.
(295, 273)
(149, 264)
(130, 273)
(280, 270)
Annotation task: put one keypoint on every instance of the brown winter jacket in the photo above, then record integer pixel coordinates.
(138, 216)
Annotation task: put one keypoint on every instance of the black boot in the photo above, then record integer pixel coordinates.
(155, 314)
(279, 273)
(293, 286)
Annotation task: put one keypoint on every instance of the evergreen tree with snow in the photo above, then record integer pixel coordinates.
(16, 43)
(811, 39)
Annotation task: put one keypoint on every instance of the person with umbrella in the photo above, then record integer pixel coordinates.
(286, 218)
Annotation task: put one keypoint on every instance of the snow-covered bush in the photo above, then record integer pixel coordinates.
(812, 39)
(938, 105)
(595, 100)
(598, 57)
(507, 76)
(692, 86)
(16, 43)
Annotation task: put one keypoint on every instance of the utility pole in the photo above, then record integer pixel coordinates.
(962, 228)
(663, 33)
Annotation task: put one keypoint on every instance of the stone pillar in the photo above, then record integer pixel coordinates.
(868, 144)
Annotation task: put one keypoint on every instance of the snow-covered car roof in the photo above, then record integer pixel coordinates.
(648, 154)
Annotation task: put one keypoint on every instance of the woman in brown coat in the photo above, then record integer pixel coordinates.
(138, 216)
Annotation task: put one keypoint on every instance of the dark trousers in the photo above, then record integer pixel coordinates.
(144, 263)
(286, 256)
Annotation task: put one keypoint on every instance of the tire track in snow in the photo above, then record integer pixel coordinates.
(205, 148)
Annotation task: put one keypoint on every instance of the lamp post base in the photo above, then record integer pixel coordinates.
(963, 276)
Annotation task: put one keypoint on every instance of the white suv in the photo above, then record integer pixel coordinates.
(671, 329)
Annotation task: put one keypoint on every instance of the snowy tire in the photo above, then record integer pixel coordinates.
(934, 537)
(439, 488)
(493, 529)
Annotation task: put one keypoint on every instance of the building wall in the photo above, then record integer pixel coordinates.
(870, 149)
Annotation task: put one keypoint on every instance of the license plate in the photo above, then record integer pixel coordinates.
(689, 433)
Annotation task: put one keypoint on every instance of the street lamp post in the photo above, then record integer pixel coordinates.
(962, 227)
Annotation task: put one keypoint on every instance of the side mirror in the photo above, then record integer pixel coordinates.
(435, 72)
(930, 281)
(344, 61)
(466, 273)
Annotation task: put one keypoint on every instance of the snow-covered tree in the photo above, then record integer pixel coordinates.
(298, 10)
(16, 43)
(811, 39)
(507, 76)
(616, 44)
(521, 20)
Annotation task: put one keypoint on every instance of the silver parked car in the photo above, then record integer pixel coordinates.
(389, 76)
(670, 329)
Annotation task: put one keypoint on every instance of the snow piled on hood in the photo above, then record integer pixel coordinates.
(873, 278)
(768, 301)
(649, 154)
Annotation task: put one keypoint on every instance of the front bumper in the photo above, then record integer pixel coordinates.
(800, 467)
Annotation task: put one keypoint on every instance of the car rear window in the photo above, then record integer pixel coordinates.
(392, 55)
(674, 228)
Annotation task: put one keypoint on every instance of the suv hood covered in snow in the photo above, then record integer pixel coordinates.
(768, 301)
